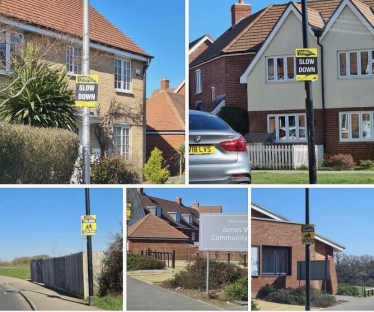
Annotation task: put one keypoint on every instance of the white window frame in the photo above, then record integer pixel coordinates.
(73, 60)
(346, 128)
(213, 93)
(368, 72)
(278, 126)
(285, 77)
(123, 83)
(122, 148)
(198, 81)
(9, 46)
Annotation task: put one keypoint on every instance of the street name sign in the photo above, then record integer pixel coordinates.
(306, 64)
(88, 225)
(86, 90)
(220, 231)
(307, 234)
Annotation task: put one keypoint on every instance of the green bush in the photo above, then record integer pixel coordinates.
(153, 170)
(341, 162)
(238, 290)
(194, 275)
(366, 164)
(113, 171)
(254, 306)
(137, 262)
(346, 290)
(31, 155)
(236, 117)
(265, 290)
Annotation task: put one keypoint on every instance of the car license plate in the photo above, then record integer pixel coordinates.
(201, 149)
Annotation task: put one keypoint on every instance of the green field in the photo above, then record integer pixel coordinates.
(20, 271)
(273, 177)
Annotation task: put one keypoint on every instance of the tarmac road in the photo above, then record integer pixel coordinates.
(11, 299)
(145, 297)
(353, 304)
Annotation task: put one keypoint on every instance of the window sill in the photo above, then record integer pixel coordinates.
(123, 91)
(275, 275)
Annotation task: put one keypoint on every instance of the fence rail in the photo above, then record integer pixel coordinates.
(279, 157)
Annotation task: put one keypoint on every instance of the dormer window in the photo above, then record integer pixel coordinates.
(176, 216)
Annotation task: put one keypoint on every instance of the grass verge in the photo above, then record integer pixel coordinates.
(22, 271)
(303, 178)
(109, 303)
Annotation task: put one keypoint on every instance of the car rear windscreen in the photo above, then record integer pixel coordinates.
(207, 122)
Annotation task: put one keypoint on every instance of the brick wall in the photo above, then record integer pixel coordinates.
(282, 234)
(201, 48)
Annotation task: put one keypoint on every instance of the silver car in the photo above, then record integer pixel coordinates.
(217, 154)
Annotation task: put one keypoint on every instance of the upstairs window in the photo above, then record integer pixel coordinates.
(280, 68)
(73, 60)
(356, 64)
(121, 140)
(287, 128)
(122, 75)
(9, 43)
(356, 126)
(198, 81)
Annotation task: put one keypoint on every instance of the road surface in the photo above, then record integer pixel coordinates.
(11, 299)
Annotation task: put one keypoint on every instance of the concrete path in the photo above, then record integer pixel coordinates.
(349, 303)
(273, 306)
(44, 299)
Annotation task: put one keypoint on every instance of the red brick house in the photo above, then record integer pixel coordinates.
(162, 225)
(276, 248)
(252, 66)
(165, 113)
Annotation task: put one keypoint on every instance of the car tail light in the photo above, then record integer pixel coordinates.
(236, 145)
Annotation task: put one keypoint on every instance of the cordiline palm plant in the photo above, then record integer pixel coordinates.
(37, 93)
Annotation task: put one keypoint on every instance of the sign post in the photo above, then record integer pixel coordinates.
(307, 254)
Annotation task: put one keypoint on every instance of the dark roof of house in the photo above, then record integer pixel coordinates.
(249, 34)
(171, 206)
(66, 17)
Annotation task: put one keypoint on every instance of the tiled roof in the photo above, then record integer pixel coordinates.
(66, 16)
(153, 227)
(171, 206)
(250, 33)
(166, 111)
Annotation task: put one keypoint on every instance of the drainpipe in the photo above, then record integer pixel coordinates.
(318, 33)
(145, 67)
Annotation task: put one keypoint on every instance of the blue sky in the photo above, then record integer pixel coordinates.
(36, 221)
(213, 17)
(158, 27)
(344, 215)
(232, 200)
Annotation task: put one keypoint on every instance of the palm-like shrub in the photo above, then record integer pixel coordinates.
(38, 93)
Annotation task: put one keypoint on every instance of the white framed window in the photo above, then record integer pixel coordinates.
(198, 81)
(73, 60)
(213, 93)
(121, 140)
(122, 75)
(9, 42)
(356, 126)
(280, 68)
(356, 64)
(288, 127)
(276, 260)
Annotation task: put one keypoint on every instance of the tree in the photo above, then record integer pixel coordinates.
(179, 157)
(37, 92)
(153, 169)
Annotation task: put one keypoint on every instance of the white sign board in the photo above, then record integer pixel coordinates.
(220, 231)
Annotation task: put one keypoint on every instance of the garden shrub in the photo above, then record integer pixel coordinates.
(341, 162)
(113, 171)
(236, 117)
(254, 306)
(194, 275)
(265, 290)
(153, 170)
(31, 155)
(366, 164)
(137, 262)
(347, 290)
(238, 290)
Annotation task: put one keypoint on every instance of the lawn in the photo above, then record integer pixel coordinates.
(20, 271)
(109, 303)
(273, 177)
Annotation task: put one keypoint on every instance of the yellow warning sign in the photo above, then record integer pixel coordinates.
(307, 234)
(306, 64)
(86, 90)
(128, 211)
(88, 225)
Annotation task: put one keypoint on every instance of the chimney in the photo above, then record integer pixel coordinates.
(195, 205)
(164, 84)
(178, 200)
(239, 11)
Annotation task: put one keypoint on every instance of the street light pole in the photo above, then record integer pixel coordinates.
(89, 254)
(85, 109)
(309, 103)
(307, 256)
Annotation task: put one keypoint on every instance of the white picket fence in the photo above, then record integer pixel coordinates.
(280, 156)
